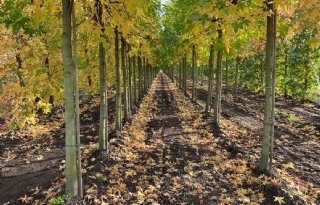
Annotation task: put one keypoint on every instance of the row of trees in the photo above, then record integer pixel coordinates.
(31, 74)
(104, 43)
(133, 76)
(237, 34)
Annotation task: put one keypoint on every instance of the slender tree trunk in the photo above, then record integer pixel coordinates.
(268, 125)
(103, 123)
(180, 74)
(236, 84)
(77, 109)
(134, 82)
(144, 75)
(72, 183)
(217, 100)
(194, 74)
(130, 87)
(124, 78)
(185, 75)
(306, 76)
(210, 84)
(227, 72)
(118, 82)
(285, 74)
(140, 77)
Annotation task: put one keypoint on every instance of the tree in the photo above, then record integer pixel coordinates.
(103, 117)
(194, 74)
(118, 82)
(77, 109)
(211, 78)
(72, 181)
(268, 123)
(217, 100)
(103, 121)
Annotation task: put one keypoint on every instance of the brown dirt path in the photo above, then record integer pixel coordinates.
(167, 156)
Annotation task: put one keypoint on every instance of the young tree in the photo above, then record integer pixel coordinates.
(103, 118)
(217, 100)
(118, 82)
(103, 121)
(134, 78)
(194, 74)
(77, 109)
(227, 72)
(211, 76)
(72, 181)
(124, 78)
(268, 123)
(185, 75)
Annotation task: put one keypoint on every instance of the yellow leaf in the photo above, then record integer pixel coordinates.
(288, 166)
(280, 200)
(130, 173)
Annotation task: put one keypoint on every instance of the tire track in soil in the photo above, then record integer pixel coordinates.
(175, 154)
(164, 126)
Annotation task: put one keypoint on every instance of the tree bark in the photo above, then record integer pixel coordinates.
(217, 100)
(185, 75)
(134, 78)
(72, 183)
(236, 84)
(140, 83)
(268, 124)
(194, 74)
(180, 74)
(285, 74)
(124, 78)
(227, 72)
(118, 82)
(210, 83)
(103, 123)
(130, 96)
(77, 109)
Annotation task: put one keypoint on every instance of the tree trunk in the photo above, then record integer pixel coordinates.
(185, 75)
(268, 125)
(134, 78)
(77, 109)
(217, 100)
(285, 74)
(124, 78)
(144, 73)
(103, 123)
(140, 77)
(236, 83)
(227, 72)
(118, 82)
(210, 83)
(72, 183)
(180, 74)
(194, 74)
(130, 87)
(273, 89)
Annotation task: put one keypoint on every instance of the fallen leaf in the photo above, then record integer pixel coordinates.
(280, 200)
